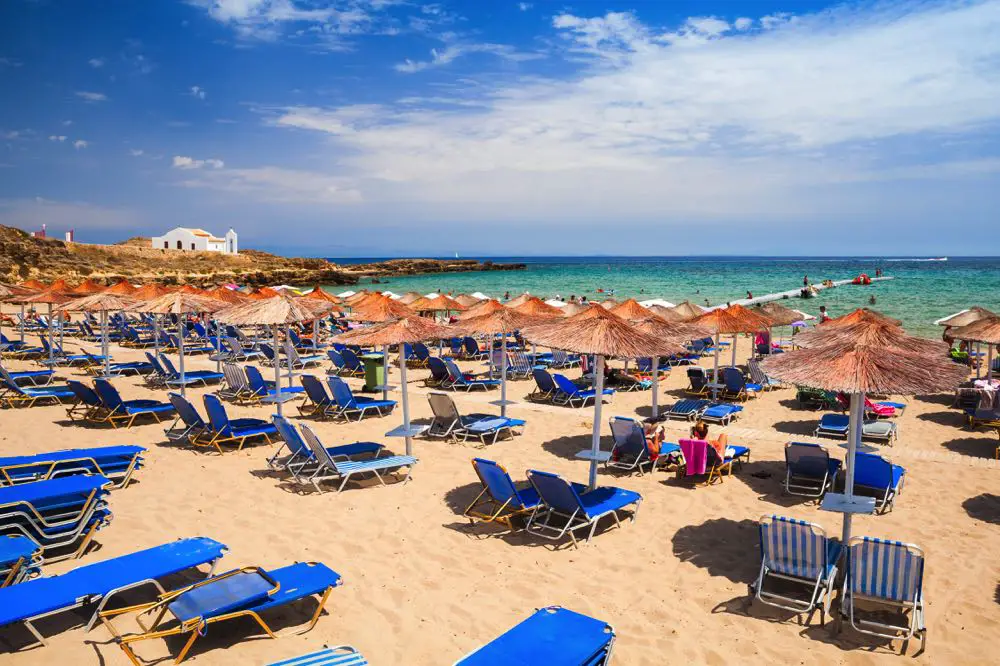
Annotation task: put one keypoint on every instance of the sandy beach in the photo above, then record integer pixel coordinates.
(422, 586)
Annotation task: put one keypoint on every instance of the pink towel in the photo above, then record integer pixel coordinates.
(695, 455)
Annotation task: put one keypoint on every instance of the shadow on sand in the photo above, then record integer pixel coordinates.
(985, 507)
(721, 546)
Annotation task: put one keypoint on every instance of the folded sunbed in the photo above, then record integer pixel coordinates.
(20, 558)
(552, 636)
(100, 582)
(117, 463)
(247, 592)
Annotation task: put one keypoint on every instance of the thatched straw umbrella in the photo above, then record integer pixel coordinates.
(467, 300)
(734, 320)
(180, 304)
(375, 309)
(265, 292)
(34, 285)
(403, 331)
(960, 319)
(150, 291)
(536, 307)
(779, 316)
(631, 309)
(571, 309)
(481, 308)
(861, 316)
(320, 294)
(230, 296)
(272, 312)
(441, 303)
(857, 368)
(689, 310)
(601, 335)
(50, 297)
(63, 286)
(10, 293)
(985, 330)
(678, 333)
(665, 313)
(121, 288)
(191, 289)
(88, 287)
(503, 322)
(103, 303)
(518, 300)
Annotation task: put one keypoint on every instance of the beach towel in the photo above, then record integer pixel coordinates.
(695, 456)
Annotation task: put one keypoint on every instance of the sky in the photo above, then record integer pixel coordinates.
(390, 128)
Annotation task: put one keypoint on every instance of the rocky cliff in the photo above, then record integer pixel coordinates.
(23, 257)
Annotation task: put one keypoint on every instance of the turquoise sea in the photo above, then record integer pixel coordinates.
(922, 289)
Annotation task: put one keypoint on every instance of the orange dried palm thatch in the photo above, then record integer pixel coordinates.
(63, 286)
(150, 291)
(966, 317)
(604, 335)
(778, 314)
(609, 303)
(267, 292)
(319, 308)
(733, 319)
(102, 302)
(88, 287)
(34, 285)
(481, 308)
(502, 321)
(985, 330)
(631, 309)
(409, 297)
(191, 289)
(50, 296)
(441, 303)
(396, 331)
(854, 368)
(320, 294)
(518, 300)
(380, 308)
(276, 311)
(467, 300)
(179, 303)
(536, 307)
(680, 332)
(122, 288)
(665, 313)
(571, 309)
(13, 291)
(871, 333)
(689, 310)
(861, 316)
(591, 311)
(225, 295)
(359, 296)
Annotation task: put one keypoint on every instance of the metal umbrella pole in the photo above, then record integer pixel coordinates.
(105, 350)
(656, 379)
(385, 364)
(715, 371)
(156, 335)
(22, 323)
(277, 369)
(180, 351)
(52, 339)
(595, 445)
(405, 400)
(854, 441)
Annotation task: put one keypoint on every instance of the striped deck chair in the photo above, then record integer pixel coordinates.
(887, 574)
(759, 377)
(798, 552)
(338, 655)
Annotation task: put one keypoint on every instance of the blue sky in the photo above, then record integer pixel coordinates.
(381, 127)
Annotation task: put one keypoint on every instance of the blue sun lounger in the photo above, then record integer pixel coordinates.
(188, 426)
(300, 459)
(130, 410)
(809, 470)
(448, 422)
(262, 390)
(833, 425)
(318, 402)
(688, 409)
(338, 655)
(60, 515)
(500, 500)
(247, 592)
(458, 379)
(191, 377)
(574, 506)
(889, 574)
(116, 463)
(545, 386)
(568, 393)
(20, 559)
(329, 467)
(720, 412)
(552, 636)
(100, 582)
(348, 403)
(32, 377)
(223, 430)
(878, 474)
(798, 552)
(14, 395)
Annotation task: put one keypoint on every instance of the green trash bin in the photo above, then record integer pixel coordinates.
(374, 371)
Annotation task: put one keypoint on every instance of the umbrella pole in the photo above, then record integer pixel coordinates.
(315, 335)
(405, 400)
(180, 351)
(595, 446)
(156, 335)
(854, 440)
(105, 351)
(22, 322)
(503, 376)
(385, 363)
(52, 339)
(656, 377)
(277, 369)
(61, 327)
(734, 350)
(979, 366)
(989, 362)
(715, 371)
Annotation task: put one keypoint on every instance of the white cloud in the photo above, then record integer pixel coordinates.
(524, 6)
(67, 123)
(743, 23)
(197, 91)
(58, 138)
(96, 63)
(80, 144)
(323, 22)
(450, 53)
(181, 162)
(91, 96)
(277, 185)
(702, 119)
(136, 152)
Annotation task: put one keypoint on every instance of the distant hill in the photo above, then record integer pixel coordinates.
(23, 257)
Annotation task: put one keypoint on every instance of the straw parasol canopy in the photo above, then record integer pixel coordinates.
(466, 299)
(609, 303)
(359, 296)
(225, 295)
(150, 291)
(101, 302)
(965, 317)
(605, 335)
(34, 285)
(891, 367)
(409, 297)
(88, 287)
(986, 329)
(861, 316)
(49, 296)
(571, 309)
(191, 289)
(122, 288)
(481, 308)
(503, 320)
(380, 308)
(320, 294)
(278, 310)
(518, 300)
(63, 286)
(536, 307)
(441, 303)
(665, 313)
(631, 309)
(179, 303)
(778, 314)
(13, 291)
(689, 310)
(396, 331)
(591, 310)
(733, 319)
(674, 331)
(317, 307)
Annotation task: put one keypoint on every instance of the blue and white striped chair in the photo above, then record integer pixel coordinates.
(889, 574)
(339, 655)
(799, 552)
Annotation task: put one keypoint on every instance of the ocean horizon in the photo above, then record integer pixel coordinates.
(923, 289)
